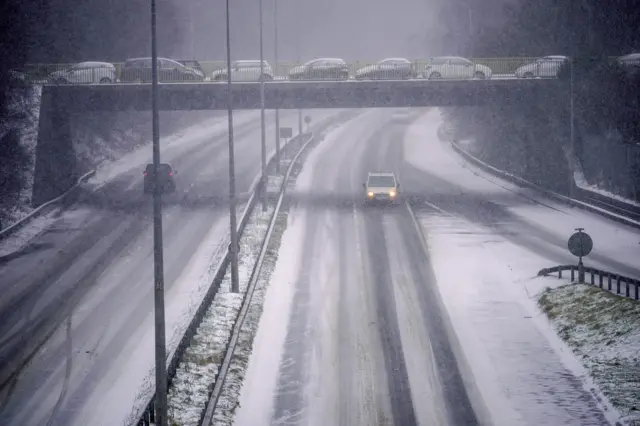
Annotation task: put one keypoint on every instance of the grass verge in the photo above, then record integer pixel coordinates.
(603, 331)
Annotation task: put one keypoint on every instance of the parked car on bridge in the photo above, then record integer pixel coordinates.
(381, 187)
(631, 64)
(546, 67)
(244, 70)
(387, 69)
(321, 69)
(194, 65)
(453, 68)
(138, 70)
(165, 179)
(85, 73)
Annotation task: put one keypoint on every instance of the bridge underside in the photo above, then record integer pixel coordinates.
(305, 95)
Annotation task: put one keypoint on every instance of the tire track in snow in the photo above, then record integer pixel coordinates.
(398, 378)
(290, 403)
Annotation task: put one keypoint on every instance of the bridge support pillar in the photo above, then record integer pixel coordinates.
(55, 164)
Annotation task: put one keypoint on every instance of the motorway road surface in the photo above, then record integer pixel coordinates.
(77, 301)
(366, 341)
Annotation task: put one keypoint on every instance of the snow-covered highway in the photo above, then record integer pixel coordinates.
(76, 316)
(402, 316)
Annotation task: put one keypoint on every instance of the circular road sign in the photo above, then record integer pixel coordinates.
(307, 119)
(580, 244)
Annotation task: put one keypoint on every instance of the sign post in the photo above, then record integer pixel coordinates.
(580, 245)
(285, 133)
(307, 120)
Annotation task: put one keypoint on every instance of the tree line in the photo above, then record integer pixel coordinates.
(533, 138)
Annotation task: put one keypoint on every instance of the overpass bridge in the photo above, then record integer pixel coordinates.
(56, 168)
(298, 94)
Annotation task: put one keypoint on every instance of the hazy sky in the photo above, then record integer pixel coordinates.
(352, 29)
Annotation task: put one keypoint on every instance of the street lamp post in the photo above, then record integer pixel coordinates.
(158, 270)
(262, 125)
(233, 246)
(298, 54)
(275, 59)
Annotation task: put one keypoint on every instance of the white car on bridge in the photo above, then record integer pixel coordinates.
(244, 70)
(454, 68)
(85, 73)
(546, 67)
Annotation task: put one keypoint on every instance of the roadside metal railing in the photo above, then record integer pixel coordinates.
(298, 144)
(46, 207)
(614, 283)
(215, 71)
(148, 416)
(609, 207)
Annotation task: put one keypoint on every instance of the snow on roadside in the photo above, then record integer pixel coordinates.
(19, 239)
(190, 398)
(524, 373)
(603, 331)
(230, 395)
(189, 393)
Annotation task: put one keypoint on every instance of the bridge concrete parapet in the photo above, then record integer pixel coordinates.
(305, 95)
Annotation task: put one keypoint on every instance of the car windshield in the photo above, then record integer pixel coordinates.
(381, 181)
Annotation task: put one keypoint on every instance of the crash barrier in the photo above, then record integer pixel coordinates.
(624, 286)
(207, 415)
(147, 417)
(46, 207)
(392, 68)
(617, 210)
(217, 71)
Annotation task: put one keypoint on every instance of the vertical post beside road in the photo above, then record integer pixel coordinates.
(275, 60)
(158, 270)
(572, 154)
(300, 130)
(263, 144)
(233, 247)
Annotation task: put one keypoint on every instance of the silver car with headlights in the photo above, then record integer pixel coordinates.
(381, 188)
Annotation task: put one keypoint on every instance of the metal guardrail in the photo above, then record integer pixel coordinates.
(447, 68)
(608, 207)
(209, 411)
(216, 71)
(44, 208)
(623, 285)
(148, 416)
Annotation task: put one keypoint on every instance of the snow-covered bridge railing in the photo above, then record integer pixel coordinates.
(615, 283)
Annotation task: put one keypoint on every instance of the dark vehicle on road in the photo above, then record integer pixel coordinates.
(138, 70)
(387, 69)
(321, 69)
(165, 179)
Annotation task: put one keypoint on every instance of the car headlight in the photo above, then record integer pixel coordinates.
(370, 194)
(392, 193)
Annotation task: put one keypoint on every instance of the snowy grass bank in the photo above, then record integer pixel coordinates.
(603, 331)
(196, 374)
(229, 398)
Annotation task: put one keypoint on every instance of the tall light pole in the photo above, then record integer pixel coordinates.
(233, 246)
(262, 126)
(275, 59)
(572, 148)
(298, 54)
(158, 270)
